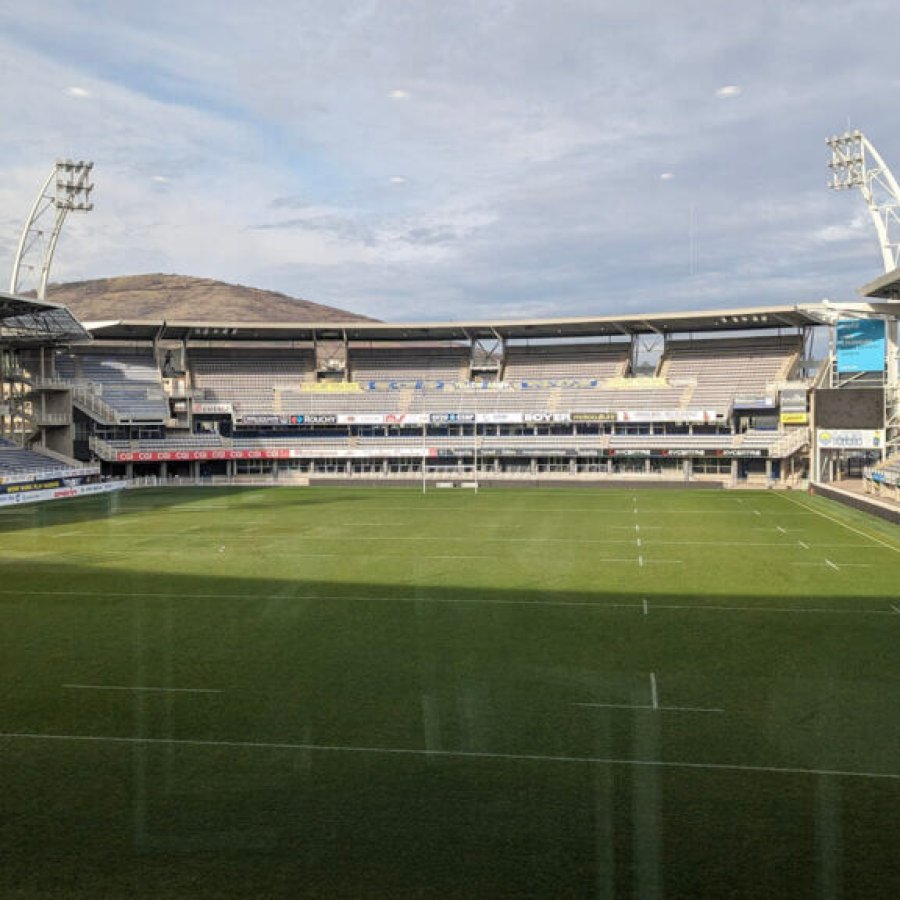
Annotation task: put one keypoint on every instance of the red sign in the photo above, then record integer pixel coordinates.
(192, 455)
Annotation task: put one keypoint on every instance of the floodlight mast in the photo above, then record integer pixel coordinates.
(67, 189)
(856, 163)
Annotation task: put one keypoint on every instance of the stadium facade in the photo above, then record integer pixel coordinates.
(723, 397)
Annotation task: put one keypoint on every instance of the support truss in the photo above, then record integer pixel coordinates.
(67, 188)
(856, 163)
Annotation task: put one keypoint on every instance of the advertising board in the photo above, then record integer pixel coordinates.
(860, 345)
(850, 438)
(211, 409)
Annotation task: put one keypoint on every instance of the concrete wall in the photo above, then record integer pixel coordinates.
(858, 501)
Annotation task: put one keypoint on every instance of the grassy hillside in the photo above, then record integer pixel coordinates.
(176, 297)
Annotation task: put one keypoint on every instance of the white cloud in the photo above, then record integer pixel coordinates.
(535, 144)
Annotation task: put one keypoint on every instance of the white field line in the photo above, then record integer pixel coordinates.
(771, 609)
(445, 556)
(18, 553)
(839, 522)
(526, 603)
(449, 754)
(654, 697)
(125, 687)
(657, 708)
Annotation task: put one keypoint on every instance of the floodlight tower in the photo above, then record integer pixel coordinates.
(856, 163)
(67, 189)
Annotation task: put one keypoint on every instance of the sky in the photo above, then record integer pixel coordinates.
(425, 160)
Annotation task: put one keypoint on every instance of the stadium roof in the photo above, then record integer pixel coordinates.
(887, 286)
(750, 318)
(27, 321)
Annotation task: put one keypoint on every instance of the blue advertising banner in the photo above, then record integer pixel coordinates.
(860, 345)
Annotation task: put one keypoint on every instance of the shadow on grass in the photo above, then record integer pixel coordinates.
(266, 768)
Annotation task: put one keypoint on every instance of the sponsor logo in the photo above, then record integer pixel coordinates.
(450, 418)
(592, 416)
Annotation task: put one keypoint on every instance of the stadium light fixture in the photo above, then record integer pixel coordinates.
(855, 163)
(68, 188)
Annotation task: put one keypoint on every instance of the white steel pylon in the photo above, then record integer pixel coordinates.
(856, 163)
(67, 188)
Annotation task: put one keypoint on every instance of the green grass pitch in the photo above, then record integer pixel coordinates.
(380, 693)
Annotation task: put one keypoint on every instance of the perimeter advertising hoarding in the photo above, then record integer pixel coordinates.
(61, 493)
(150, 456)
(200, 455)
(794, 418)
(850, 438)
(860, 345)
(668, 415)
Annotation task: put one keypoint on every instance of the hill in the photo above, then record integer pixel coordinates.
(181, 298)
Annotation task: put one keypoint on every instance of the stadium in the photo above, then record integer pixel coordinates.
(600, 606)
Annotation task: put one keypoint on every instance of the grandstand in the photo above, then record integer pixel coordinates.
(724, 397)
(561, 398)
(35, 409)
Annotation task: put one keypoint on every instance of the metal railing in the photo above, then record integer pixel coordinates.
(93, 405)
